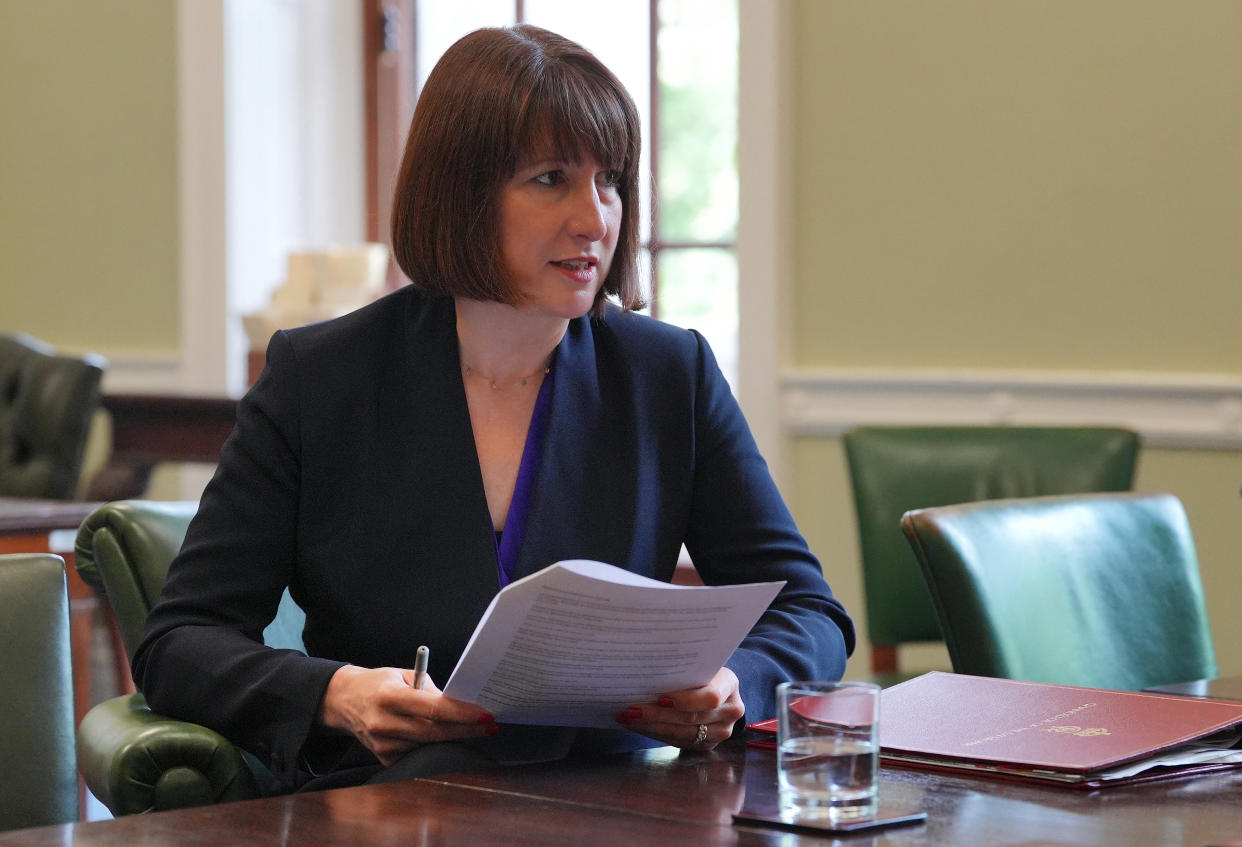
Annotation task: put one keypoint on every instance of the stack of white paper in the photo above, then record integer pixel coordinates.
(577, 642)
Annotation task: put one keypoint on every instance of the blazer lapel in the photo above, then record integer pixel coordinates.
(443, 472)
(582, 495)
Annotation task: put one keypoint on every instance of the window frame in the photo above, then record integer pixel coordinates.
(390, 59)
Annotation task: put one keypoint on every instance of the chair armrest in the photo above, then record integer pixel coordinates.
(134, 760)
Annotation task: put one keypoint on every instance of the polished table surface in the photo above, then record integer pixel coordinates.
(28, 516)
(671, 799)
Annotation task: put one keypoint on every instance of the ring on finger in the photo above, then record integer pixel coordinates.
(701, 735)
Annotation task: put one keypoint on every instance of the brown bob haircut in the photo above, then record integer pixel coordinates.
(497, 98)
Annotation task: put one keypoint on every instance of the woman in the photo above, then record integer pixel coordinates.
(395, 467)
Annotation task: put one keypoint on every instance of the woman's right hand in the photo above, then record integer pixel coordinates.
(380, 708)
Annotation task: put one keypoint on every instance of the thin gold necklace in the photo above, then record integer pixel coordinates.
(497, 386)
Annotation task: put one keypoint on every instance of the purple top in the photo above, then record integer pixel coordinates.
(509, 542)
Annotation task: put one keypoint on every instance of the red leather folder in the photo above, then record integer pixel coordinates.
(1057, 734)
(763, 734)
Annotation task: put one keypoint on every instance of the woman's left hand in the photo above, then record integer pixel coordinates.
(694, 719)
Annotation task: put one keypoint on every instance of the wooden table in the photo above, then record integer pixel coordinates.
(148, 429)
(665, 798)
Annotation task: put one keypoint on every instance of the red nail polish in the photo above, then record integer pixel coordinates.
(486, 718)
(492, 729)
(632, 713)
(666, 702)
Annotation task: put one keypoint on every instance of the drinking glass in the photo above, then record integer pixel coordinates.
(828, 748)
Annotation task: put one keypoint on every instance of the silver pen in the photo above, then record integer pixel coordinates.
(420, 666)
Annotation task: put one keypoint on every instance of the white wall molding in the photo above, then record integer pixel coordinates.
(142, 373)
(271, 159)
(202, 168)
(763, 233)
(1175, 410)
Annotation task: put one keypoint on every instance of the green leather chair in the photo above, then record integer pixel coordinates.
(134, 760)
(38, 762)
(1100, 590)
(895, 469)
(46, 405)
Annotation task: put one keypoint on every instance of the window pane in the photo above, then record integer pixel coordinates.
(440, 24)
(622, 45)
(644, 276)
(698, 120)
(698, 290)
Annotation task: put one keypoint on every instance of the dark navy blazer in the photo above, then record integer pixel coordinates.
(352, 478)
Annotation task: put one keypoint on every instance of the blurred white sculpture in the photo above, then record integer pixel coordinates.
(320, 284)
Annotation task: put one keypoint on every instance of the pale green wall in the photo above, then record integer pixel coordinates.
(1042, 184)
(1025, 184)
(88, 174)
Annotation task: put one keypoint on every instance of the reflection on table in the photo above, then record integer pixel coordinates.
(666, 797)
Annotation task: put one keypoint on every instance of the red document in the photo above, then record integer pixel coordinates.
(764, 734)
(1061, 734)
